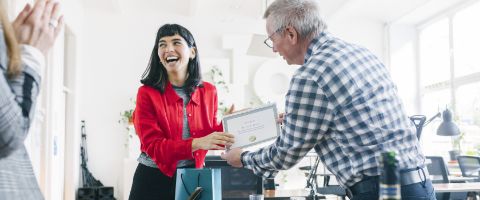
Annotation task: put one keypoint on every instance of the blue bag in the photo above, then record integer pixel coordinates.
(205, 184)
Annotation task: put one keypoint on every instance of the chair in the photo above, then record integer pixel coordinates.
(469, 165)
(332, 189)
(439, 174)
(437, 169)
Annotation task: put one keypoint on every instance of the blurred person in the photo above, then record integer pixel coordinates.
(23, 46)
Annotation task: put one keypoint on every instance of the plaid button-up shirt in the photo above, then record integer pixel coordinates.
(343, 103)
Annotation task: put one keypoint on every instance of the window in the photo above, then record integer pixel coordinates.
(468, 107)
(466, 42)
(434, 53)
(450, 76)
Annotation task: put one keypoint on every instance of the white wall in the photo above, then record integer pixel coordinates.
(74, 17)
(403, 66)
(115, 51)
(360, 30)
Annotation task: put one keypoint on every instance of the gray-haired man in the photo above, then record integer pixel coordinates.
(341, 102)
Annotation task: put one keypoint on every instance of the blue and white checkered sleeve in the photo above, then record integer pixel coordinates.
(308, 115)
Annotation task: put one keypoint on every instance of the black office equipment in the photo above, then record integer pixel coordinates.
(237, 183)
(95, 193)
(92, 188)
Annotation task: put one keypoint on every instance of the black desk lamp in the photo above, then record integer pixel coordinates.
(446, 128)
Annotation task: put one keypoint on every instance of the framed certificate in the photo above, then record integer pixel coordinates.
(252, 126)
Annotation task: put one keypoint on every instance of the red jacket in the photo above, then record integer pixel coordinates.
(158, 120)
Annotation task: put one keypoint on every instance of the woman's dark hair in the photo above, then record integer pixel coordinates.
(156, 75)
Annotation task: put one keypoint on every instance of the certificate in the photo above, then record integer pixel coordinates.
(252, 126)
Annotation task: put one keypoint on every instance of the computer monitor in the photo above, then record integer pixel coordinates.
(237, 183)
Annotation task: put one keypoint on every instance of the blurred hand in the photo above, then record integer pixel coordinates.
(39, 26)
(230, 110)
(280, 118)
(214, 141)
(233, 157)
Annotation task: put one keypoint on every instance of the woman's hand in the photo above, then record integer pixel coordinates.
(214, 141)
(39, 26)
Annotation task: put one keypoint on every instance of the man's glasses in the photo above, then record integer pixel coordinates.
(269, 41)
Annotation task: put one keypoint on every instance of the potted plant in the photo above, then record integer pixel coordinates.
(126, 116)
(131, 140)
(456, 146)
(215, 75)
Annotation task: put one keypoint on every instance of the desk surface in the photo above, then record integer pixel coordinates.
(461, 179)
(457, 187)
(295, 194)
(286, 193)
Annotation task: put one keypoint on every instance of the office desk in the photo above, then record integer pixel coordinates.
(296, 194)
(457, 187)
(280, 194)
(461, 179)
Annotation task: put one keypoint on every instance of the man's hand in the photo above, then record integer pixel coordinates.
(233, 157)
(280, 118)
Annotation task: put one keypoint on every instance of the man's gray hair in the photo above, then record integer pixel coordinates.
(303, 15)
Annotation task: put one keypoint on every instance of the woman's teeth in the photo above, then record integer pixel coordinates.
(171, 59)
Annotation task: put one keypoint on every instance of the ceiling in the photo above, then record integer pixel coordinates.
(229, 10)
(389, 11)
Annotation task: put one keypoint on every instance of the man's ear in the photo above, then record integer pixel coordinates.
(291, 34)
(193, 52)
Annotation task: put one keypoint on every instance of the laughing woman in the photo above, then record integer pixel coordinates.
(175, 115)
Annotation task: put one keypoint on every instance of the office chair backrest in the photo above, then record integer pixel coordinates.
(469, 165)
(437, 169)
(438, 173)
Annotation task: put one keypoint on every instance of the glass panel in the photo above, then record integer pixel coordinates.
(466, 38)
(468, 117)
(434, 53)
(432, 103)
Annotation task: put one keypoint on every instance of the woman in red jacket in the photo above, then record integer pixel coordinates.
(175, 115)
